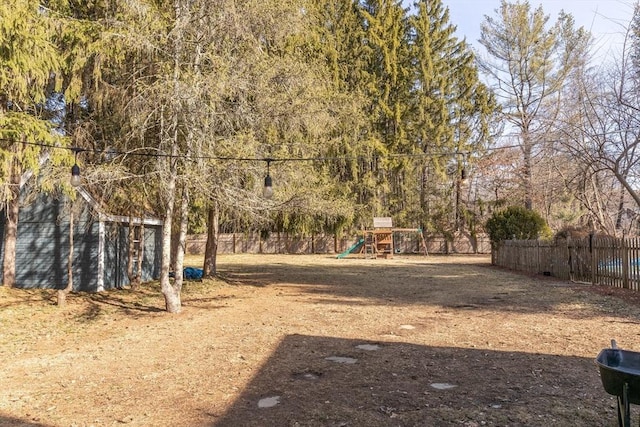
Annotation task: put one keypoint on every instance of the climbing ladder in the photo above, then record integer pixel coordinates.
(383, 237)
(136, 251)
(369, 245)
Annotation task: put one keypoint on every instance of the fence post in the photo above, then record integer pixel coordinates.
(594, 263)
(569, 246)
(625, 264)
(538, 263)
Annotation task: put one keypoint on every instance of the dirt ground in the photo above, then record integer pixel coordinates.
(318, 341)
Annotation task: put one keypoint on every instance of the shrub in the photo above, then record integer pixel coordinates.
(516, 222)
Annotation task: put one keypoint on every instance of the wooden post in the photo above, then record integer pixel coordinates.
(424, 244)
(538, 266)
(570, 259)
(624, 259)
(594, 264)
(62, 293)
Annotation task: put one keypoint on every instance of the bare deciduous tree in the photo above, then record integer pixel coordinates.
(602, 133)
(528, 64)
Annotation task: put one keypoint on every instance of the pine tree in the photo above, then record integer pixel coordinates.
(387, 88)
(338, 37)
(450, 115)
(29, 65)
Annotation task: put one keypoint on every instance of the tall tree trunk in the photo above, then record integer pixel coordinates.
(620, 215)
(424, 200)
(211, 248)
(182, 239)
(458, 207)
(172, 300)
(527, 176)
(171, 295)
(11, 227)
(62, 293)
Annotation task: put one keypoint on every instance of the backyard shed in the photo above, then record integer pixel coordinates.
(101, 245)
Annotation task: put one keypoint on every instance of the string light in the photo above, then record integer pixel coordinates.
(112, 152)
(76, 180)
(267, 191)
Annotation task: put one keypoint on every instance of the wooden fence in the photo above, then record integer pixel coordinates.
(597, 260)
(404, 243)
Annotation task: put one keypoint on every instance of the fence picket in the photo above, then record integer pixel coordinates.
(600, 260)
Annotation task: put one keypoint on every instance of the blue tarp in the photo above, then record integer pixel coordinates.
(191, 273)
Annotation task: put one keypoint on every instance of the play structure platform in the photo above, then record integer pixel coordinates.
(379, 242)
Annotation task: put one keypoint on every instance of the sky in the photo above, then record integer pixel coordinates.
(605, 19)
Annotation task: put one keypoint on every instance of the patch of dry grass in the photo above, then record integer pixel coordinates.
(519, 349)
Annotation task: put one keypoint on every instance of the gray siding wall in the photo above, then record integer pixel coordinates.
(117, 252)
(115, 261)
(42, 248)
(152, 253)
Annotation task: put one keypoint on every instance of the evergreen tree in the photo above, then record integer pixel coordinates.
(388, 68)
(29, 67)
(418, 88)
(450, 117)
(339, 37)
(387, 89)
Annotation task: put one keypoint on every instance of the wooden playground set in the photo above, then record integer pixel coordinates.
(379, 242)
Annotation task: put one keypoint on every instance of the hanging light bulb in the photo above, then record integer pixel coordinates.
(75, 172)
(75, 175)
(267, 191)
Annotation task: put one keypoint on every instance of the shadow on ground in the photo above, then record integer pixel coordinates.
(116, 300)
(400, 384)
(15, 422)
(390, 282)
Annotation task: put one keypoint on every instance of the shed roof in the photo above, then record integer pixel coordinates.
(115, 218)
